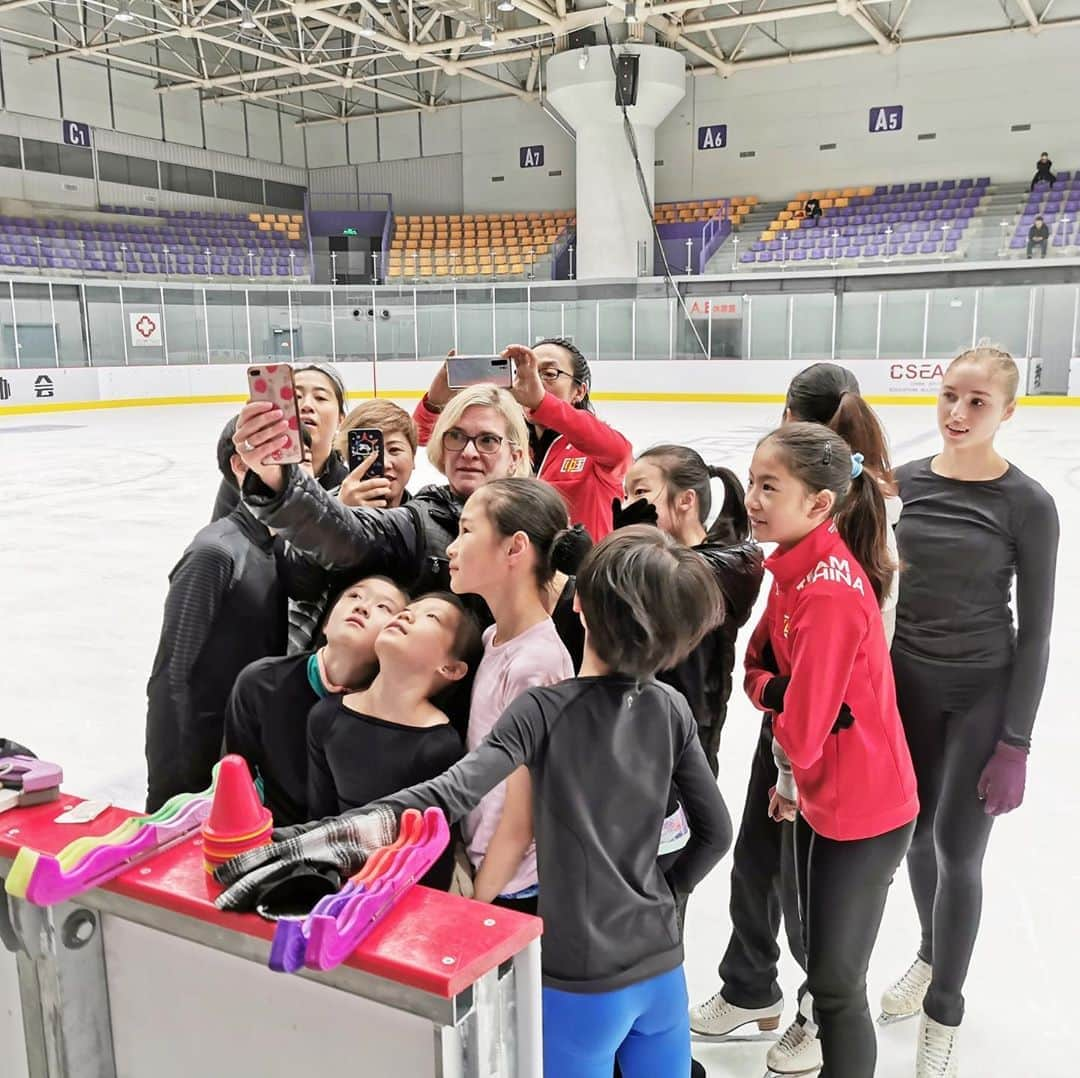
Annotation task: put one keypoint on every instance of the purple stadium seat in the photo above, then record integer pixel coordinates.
(909, 249)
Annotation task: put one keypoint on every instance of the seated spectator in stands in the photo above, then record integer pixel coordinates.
(225, 608)
(393, 734)
(1042, 171)
(812, 210)
(320, 393)
(266, 719)
(400, 442)
(1038, 236)
(579, 455)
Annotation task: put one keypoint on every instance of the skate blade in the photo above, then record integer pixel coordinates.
(895, 1019)
(770, 1073)
(734, 1038)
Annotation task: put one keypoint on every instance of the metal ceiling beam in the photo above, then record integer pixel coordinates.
(1029, 14)
(853, 10)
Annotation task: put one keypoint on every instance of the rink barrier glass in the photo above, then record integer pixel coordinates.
(926, 315)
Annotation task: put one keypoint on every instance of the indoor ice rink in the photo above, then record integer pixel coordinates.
(704, 198)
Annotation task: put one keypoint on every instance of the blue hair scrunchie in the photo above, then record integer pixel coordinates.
(856, 465)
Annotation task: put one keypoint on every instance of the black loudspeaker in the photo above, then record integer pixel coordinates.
(578, 39)
(626, 75)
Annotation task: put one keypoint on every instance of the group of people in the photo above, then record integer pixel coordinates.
(543, 646)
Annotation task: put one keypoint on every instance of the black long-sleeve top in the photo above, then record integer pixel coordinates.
(602, 753)
(266, 723)
(224, 609)
(353, 759)
(704, 677)
(962, 545)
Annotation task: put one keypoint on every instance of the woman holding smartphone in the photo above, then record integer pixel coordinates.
(583, 458)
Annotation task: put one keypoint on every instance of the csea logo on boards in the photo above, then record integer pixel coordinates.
(916, 377)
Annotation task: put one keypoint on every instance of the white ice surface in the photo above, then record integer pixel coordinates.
(95, 507)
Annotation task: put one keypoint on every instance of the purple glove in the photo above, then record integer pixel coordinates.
(1002, 783)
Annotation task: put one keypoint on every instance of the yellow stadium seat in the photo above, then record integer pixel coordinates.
(767, 235)
(792, 224)
(849, 192)
(254, 218)
(265, 226)
(826, 203)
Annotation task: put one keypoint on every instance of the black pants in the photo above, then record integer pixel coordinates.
(521, 905)
(953, 719)
(762, 885)
(1043, 177)
(1041, 244)
(842, 889)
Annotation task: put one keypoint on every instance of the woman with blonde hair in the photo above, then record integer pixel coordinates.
(481, 435)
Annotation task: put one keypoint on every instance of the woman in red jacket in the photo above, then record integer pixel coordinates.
(835, 711)
(583, 458)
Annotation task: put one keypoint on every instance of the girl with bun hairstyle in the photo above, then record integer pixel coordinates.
(968, 678)
(513, 536)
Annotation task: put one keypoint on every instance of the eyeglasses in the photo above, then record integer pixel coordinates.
(456, 440)
(552, 374)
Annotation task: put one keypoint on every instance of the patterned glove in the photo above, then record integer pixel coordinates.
(1001, 785)
(342, 842)
(640, 512)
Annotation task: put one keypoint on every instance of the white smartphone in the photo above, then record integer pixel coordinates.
(463, 371)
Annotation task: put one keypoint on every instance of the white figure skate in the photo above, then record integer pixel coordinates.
(904, 998)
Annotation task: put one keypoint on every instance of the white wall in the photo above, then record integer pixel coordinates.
(969, 93)
(113, 97)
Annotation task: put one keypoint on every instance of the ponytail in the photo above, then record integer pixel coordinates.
(858, 424)
(732, 524)
(829, 394)
(863, 523)
(821, 460)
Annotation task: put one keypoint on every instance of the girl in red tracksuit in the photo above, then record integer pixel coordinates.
(836, 719)
(583, 458)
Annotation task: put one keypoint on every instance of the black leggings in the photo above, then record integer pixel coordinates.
(842, 890)
(953, 718)
(762, 885)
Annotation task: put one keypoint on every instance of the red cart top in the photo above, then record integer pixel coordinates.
(410, 947)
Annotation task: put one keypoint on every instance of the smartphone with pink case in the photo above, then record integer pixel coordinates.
(273, 382)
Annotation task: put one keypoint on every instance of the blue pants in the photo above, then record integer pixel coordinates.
(646, 1026)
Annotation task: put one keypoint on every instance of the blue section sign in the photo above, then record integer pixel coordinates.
(713, 137)
(886, 118)
(76, 134)
(531, 156)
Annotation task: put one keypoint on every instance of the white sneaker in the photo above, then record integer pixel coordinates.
(716, 1018)
(938, 1056)
(904, 998)
(798, 1051)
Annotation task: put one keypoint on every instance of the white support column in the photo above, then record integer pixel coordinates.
(612, 218)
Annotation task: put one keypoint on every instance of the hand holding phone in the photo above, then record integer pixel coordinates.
(366, 485)
(273, 383)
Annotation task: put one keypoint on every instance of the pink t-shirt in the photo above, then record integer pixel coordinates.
(534, 657)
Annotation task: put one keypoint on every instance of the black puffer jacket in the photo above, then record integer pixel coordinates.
(330, 478)
(705, 676)
(407, 544)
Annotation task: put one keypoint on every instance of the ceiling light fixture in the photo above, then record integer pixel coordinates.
(247, 20)
(505, 5)
(583, 59)
(124, 12)
(367, 26)
(487, 38)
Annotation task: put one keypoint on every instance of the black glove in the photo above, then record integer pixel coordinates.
(773, 698)
(772, 695)
(641, 511)
(843, 720)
